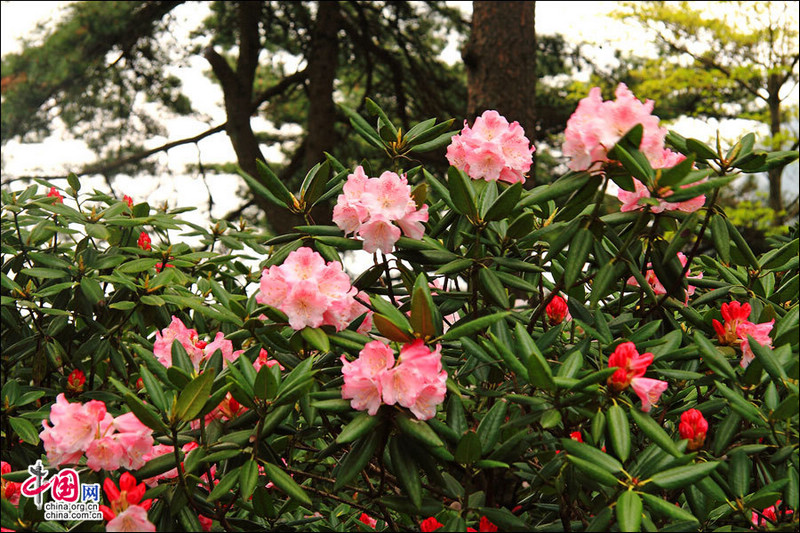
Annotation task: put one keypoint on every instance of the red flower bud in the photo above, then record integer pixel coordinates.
(576, 435)
(128, 200)
(430, 524)
(144, 241)
(556, 310)
(75, 381)
(55, 194)
(694, 427)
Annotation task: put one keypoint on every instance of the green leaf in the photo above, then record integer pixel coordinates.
(461, 193)
(722, 241)
(504, 519)
(766, 357)
(591, 454)
(687, 193)
(681, 476)
(418, 430)
(225, 484)
(154, 388)
(702, 150)
(92, 290)
(655, 432)
(667, 509)
(739, 473)
(389, 329)
(248, 477)
(505, 203)
(406, 471)
(493, 287)
(24, 429)
(577, 254)
(44, 273)
(566, 184)
(619, 432)
(158, 465)
(266, 384)
(473, 326)
(489, 428)
(356, 459)
(357, 428)
(712, 357)
(593, 471)
(629, 511)
(145, 415)
(317, 338)
(136, 266)
(194, 396)
(740, 405)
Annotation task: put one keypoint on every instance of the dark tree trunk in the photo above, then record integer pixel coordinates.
(775, 175)
(501, 62)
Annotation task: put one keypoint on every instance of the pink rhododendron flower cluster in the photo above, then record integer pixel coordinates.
(415, 381)
(738, 326)
(597, 125)
(312, 292)
(631, 369)
(658, 287)
(108, 442)
(377, 209)
(197, 350)
(492, 149)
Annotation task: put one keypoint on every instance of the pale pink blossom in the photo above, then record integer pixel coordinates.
(134, 518)
(373, 208)
(310, 292)
(596, 126)
(264, 360)
(162, 348)
(759, 332)
(492, 149)
(648, 390)
(104, 454)
(415, 381)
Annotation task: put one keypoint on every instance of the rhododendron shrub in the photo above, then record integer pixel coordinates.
(564, 357)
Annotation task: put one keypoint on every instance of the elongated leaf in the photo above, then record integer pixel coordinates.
(740, 405)
(667, 509)
(652, 429)
(629, 511)
(418, 430)
(505, 203)
(576, 257)
(154, 388)
(194, 396)
(425, 319)
(248, 477)
(284, 481)
(473, 326)
(493, 287)
(356, 459)
(489, 428)
(681, 476)
(462, 193)
(595, 472)
(357, 428)
(712, 356)
(592, 455)
(24, 429)
(619, 432)
(225, 484)
(564, 185)
(145, 415)
(275, 185)
(768, 360)
(406, 471)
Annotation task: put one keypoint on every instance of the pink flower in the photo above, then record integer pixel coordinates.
(631, 365)
(134, 518)
(368, 520)
(362, 377)
(205, 522)
(55, 194)
(648, 390)
(144, 241)
(264, 360)
(370, 208)
(105, 453)
(557, 310)
(738, 326)
(693, 427)
(74, 428)
(492, 149)
(416, 381)
(162, 348)
(631, 369)
(311, 292)
(596, 126)
(759, 332)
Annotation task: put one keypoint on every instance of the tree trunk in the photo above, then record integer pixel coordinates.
(501, 62)
(775, 175)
